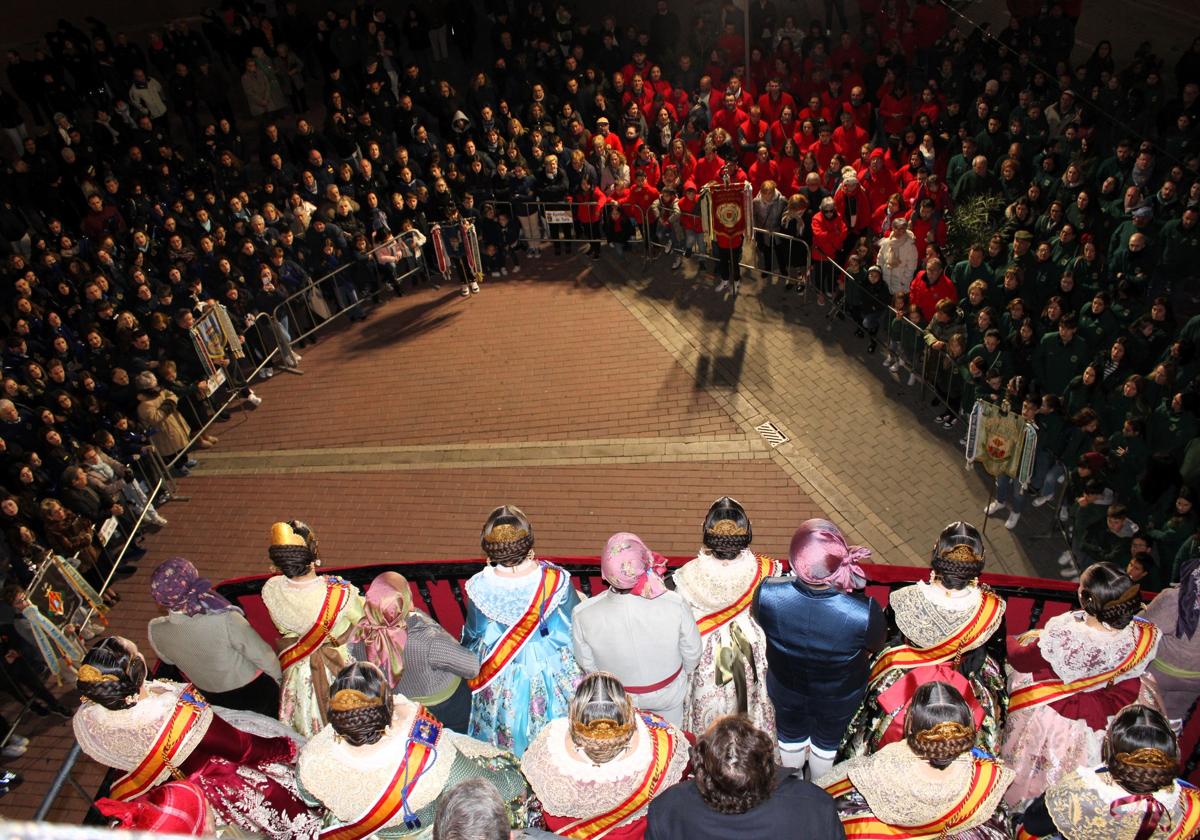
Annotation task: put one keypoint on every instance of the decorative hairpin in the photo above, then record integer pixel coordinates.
(505, 533)
(603, 729)
(961, 553)
(726, 528)
(349, 699)
(92, 674)
(948, 730)
(1126, 596)
(1150, 758)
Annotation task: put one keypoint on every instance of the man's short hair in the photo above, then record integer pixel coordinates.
(471, 810)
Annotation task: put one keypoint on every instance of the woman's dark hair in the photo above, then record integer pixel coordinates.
(735, 765)
(1108, 594)
(110, 674)
(1140, 750)
(958, 555)
(939, 726)
(362, 712)
(294, 561)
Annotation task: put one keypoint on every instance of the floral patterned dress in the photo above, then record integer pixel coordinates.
(294, 607)
(708, 585)
(1046, 743)
(536, 686)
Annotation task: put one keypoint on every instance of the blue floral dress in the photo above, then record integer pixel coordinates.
(536, 686)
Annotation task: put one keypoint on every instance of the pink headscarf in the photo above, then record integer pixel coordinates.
(819, 555)
(629, 565)
(382, 628)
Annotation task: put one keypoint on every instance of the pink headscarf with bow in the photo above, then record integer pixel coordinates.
(382, 628)
(629, 565)
(819, 555)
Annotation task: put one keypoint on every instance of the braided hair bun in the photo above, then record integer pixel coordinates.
(111, 674)
(1140, 750)
(727, 532)
(360, 704)
(939, 726)
(293, 559)
(507, 536)
(958, 555)
(1108, 594)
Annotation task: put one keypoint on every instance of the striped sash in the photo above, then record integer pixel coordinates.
(189, 709)
(979, 626)
(510, 644)
(664, 745)
(420, 750)
(1053, 690)
(984, 778)
(721, 617)
(336, 595)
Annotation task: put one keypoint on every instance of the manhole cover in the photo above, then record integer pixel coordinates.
(771, 434)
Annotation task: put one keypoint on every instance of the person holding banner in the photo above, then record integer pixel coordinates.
(519, 622)
(382, 763)
(1132, 795)
(597, 770)
(719, 585)
(1068, 680)
(945, 626)
(315, 615)
(931, 783)
(153, 730)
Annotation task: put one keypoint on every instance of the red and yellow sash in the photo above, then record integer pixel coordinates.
(510, 643)
(421, 747)
(1189, 823)
(721, 617)
(979, 626)
(1053, 690)
(336, 596)
(664, 744)
(984, 778)
(189, 708)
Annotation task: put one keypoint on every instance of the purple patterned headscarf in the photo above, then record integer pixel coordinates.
(627, 564)
(177, 585)
(1189, 599)
(819, 555)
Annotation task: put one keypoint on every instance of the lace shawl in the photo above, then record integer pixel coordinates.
(574, 789)
(927, 615)
(1074, 649)
(709, 584)
(504, 599)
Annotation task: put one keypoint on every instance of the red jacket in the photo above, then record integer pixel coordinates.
(849, 143)
(689, 213)
(708, 169)
(760, 172)
(729, 120)
(589, 207)
(771, 108)
(827, 236)
(926, 297)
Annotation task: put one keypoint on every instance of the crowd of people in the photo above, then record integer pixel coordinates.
(733, 696)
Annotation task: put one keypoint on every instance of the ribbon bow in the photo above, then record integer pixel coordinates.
(732, 661)
(1155, 812)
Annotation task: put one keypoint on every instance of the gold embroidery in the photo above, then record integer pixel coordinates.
(91, 674)
(349, 699)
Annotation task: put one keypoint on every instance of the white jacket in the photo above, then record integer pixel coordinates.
(898, 259)
(148, 100)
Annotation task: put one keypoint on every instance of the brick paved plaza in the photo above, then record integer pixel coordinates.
(599, 397)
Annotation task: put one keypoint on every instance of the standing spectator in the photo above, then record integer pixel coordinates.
(898, 256)
(768, 207)
(828, 236)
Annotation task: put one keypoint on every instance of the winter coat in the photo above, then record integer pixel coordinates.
(171, 431)
(898, 259)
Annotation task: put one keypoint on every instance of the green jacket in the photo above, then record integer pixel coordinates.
(1169, 433)
(1055, 364)
(1180, 248)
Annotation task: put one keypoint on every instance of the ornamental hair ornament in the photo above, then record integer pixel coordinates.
(1125, 597)
(948, 730)
(961, 554)
(726, 528)
(92, 674)
(603, 729)
(1150, 758)
(505, 533)
(351, 699)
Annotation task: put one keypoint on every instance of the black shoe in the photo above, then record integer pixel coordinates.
(787, 287)
(858, 332)
(871, 347)
(9, 781)
(935, 402)
(126, 570)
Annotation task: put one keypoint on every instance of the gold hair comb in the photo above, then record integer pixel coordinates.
(91, 674)
(1150, 758)
(350, 699)
(282, 534)
(961, 554)
(603, 729)
(727, 528)
(948, 730)
(506, 533)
